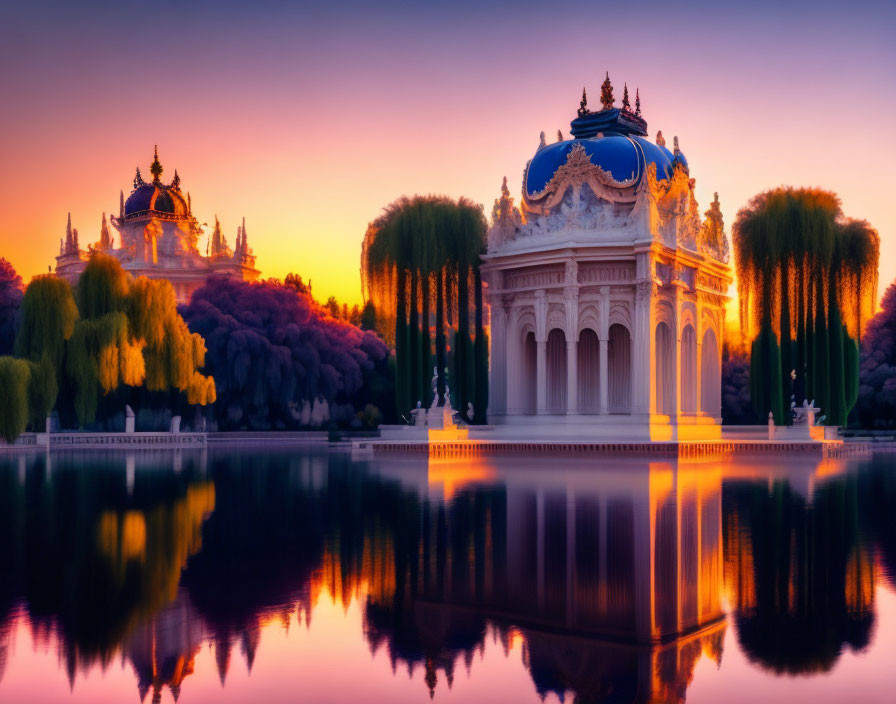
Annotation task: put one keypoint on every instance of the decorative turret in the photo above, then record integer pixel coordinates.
(105, 242)
(583, 106)
(175, 182)
(609, 120)
(121, 205)
(559, 135)
(155, 168)
(606, 93)
(69, 240)
(138, 180)
(216, 238)
(541, 140)
(637, 103)
(660, 140)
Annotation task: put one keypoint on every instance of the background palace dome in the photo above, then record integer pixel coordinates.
(156, 197)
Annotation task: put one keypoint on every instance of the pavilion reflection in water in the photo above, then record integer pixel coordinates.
(610, 578)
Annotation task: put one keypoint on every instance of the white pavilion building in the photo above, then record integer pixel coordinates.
(607, 289)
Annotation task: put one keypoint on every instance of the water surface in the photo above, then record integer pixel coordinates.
(304, 575)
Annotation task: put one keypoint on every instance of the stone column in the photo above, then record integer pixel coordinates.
(643, 368)
(603, 379)
(572, 378)
(603, 339)
(497, 386)
(676, 349)
(571, 301)
(541, 342)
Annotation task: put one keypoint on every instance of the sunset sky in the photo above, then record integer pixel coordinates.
(308, 119)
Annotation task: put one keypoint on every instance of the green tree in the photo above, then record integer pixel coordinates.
(15, 376)
(419, 244)
(807, 283)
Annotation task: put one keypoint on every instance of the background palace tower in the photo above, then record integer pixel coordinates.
(607, 288)
(158, 237)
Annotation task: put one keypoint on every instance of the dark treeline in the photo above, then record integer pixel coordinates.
(420, 267)
(276, 358)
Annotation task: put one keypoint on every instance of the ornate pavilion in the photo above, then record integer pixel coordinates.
(158, 237)
(607, 288)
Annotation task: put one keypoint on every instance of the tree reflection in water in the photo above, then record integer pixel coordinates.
(610, 578)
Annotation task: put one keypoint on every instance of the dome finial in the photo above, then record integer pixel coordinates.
(675, 149)
(626, 105)
(637, 103)
(541, 142)
(156, 167)
(606, 93)
(583, 105)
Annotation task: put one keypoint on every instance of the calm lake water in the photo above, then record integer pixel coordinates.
(303, 575)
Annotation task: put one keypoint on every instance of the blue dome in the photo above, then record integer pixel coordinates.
(624, 157)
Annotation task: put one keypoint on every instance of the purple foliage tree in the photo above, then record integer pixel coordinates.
(876, 407)
(736, 406)
(10, 299)
(272, 349)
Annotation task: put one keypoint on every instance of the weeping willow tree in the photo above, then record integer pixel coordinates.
(130, 334)
(807, 283)
(422, 254)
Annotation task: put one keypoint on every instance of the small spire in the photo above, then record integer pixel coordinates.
(541, 142)
(660, 140)
(606, 93)
(121, 205)
(76, 247)
(583, 106)
(675, 149)
(69, 240)
(175, 182)
(626, 105)
(559, 135)
(637, 103)
(216, 237)
(138, 179)
(505, 191)
(156, 167)
(105, 238)
(189, 204)
(245, 246)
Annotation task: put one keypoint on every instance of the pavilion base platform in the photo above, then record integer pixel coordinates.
(625, 436)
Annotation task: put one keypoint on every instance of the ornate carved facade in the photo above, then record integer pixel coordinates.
(158, 238)
(607, 287)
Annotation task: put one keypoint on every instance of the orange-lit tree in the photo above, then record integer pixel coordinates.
(420, 249)
(807, 282)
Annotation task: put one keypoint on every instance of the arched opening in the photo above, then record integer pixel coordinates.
(556, 359)
(688, 384)
(663, 363)
(619, 370)
(711, 375)
(589, 371)
(530, 372)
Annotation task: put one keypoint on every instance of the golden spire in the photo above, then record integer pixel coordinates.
(156, 167)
